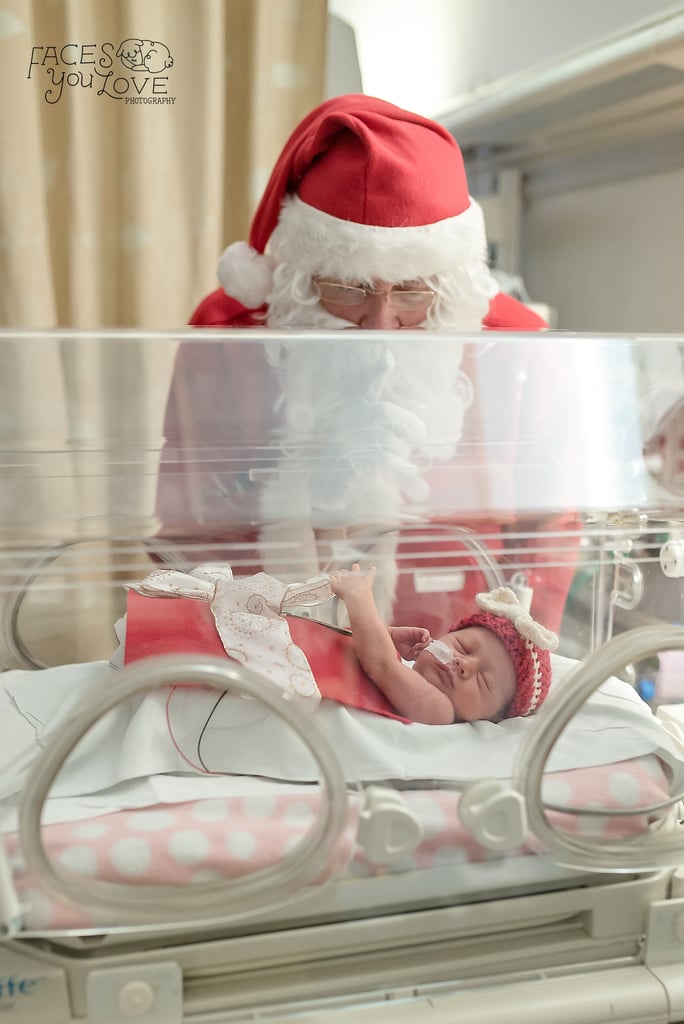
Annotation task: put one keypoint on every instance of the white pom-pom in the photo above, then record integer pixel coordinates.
(245, 274)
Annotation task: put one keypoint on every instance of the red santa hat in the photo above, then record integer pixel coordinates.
(528, 645)
(361, 190)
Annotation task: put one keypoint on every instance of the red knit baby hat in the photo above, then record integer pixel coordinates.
(528, 645)
(361, 190)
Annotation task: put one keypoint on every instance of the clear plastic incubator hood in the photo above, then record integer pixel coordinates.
(208, 812)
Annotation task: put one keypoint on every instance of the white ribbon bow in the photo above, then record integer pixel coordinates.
(505, 603)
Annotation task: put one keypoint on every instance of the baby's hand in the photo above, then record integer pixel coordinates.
(410, 640)
(346, 583)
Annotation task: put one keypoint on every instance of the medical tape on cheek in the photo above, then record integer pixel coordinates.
(441, 652)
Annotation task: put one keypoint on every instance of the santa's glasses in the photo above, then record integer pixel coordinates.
(413, 300)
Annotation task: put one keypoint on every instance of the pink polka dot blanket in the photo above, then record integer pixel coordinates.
(231, 836)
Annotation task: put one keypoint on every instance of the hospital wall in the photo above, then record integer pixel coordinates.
(600, 237)
(453, 46)
(608, 257)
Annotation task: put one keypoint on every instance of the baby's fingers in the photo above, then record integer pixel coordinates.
(356, 568)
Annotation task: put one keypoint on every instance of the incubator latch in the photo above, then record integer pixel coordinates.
(388, 828)
(628, 580)
(493, 814)
(149, 992)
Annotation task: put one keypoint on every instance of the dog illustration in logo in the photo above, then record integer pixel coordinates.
(144, 55)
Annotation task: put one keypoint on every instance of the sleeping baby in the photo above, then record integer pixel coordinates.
(492, 665)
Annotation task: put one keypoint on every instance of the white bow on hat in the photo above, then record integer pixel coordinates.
(504, 602)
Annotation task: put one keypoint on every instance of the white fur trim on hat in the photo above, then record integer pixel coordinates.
(322, 244)
(245, 274)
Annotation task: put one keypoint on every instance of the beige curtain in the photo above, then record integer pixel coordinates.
(135, 140)
(120, 187)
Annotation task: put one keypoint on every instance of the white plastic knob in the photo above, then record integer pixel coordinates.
(136, 998)
(672, 558)
(493, 814)
(388, 828)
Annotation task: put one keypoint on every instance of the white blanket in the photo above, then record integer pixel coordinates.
(243, 737)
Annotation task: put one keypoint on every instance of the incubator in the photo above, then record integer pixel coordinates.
(192, 829)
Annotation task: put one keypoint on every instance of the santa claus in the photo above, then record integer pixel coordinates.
(298, 450)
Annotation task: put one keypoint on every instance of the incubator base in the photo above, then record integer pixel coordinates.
(606, 951)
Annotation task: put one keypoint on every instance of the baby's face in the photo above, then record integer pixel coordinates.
(480, 682)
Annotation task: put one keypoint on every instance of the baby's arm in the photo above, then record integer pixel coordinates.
(410, 694)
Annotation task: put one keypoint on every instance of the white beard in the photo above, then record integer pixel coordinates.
(361, 419)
